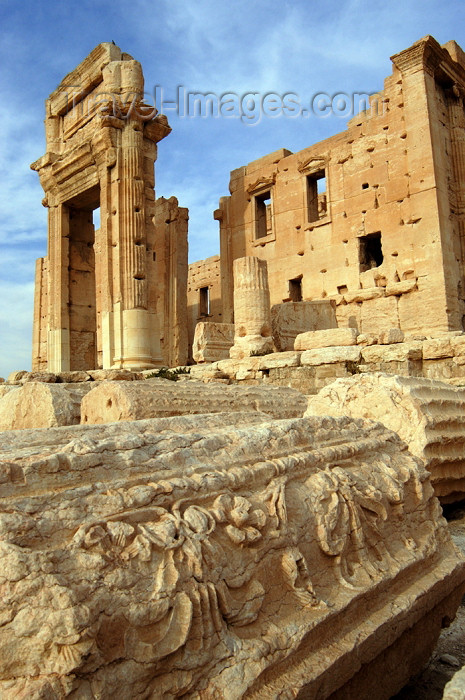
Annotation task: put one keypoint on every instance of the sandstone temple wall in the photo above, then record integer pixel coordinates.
(204, 303)
(371, 218)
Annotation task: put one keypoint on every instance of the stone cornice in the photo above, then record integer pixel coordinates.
(425, 54)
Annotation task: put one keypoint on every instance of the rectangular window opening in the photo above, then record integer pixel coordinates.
(96, 218)
(263, 222)
(317, 203)
(204, 301)
(370, 251)
(295, 289)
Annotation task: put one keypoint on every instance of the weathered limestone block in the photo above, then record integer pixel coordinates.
(5, 388)
(393, 335)
(322, 356)
(292, 318)
(435, 348)
(458, 344)
(455, 688)
(115, 401)
(76, 376)
(212, 341)
(42, 405)
(279, 359)
(251, 308)
(150, 559)
(46, 377)
(15, 377)
(427, 414)
(114, 375)
(365, 339)
(326, 338)
(398, 352)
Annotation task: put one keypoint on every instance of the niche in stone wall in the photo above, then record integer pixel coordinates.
(370, 251)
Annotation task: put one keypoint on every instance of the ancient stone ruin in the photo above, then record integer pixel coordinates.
(263, 519)
(342, 220)
(114, 296)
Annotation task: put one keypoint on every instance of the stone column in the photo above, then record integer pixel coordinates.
(137, 346)
(222, 214)
(58, 347)
(457, 129)
(251, 308)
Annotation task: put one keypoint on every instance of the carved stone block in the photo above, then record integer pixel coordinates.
(292, 318)
(114, 401)
(41, 405)
(427, 414)
(212, 341)
(150, 559)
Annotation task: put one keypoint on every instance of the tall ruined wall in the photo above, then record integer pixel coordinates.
(371, 217)
(168, 287)
(204, 301)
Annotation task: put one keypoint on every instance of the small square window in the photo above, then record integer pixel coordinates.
(370, 251)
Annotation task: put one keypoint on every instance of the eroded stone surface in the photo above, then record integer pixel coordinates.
(41, 405)
(252, 318)
(5, 388)
(212, 341)
(114, 401)
(455, 688)
(326, 338)
(427, 414)
(149, 559)
(327, 356)
(292, 318)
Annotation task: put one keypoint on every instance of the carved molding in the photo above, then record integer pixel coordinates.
(261, 184)
(312, 164)
(426, 54)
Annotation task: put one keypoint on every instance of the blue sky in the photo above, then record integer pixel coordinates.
(301, 46)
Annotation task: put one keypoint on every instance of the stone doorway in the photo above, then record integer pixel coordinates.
(82, 302)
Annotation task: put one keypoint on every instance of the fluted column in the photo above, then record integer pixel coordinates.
(132, 224)
(457, 131)
(252, 315)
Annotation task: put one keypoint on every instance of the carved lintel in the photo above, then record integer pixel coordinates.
(311, 164)
(262, 183)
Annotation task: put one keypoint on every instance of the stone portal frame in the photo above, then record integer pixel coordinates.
(104, 295)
